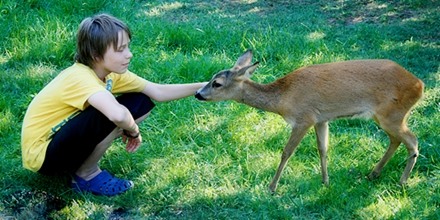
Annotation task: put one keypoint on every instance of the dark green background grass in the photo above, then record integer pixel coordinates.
(215, 160)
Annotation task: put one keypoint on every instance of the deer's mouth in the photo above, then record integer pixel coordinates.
(200, 97)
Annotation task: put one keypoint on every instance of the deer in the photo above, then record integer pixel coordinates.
(312, 96)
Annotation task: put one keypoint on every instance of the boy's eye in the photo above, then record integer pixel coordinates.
(216, 84)
(121, 48)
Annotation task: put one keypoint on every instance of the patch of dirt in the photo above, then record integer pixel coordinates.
(119, 214)
(25, 204)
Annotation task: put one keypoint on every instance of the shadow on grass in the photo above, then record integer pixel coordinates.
(254, 202)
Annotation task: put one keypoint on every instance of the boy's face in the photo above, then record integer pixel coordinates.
(115, 59)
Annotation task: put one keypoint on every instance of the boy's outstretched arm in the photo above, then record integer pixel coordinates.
(169, 92)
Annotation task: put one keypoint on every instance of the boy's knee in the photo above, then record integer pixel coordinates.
(138, 104)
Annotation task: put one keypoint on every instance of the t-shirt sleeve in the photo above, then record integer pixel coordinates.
(79, 91)
(128, 82)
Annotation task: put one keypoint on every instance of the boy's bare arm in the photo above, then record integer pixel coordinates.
(169, 92)
(106, 103)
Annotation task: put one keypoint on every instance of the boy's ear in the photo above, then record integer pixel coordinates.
(96, 57)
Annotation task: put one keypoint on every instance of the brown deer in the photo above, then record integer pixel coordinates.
(314, 95)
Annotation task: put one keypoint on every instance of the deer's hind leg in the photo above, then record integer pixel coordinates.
(398, 132)
(392, 147)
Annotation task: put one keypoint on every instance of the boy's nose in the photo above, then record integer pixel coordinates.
(129, 55)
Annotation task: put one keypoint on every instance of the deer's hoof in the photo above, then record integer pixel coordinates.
(272, 189)
(373, 175)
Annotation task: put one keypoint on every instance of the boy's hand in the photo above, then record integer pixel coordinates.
(132, 143)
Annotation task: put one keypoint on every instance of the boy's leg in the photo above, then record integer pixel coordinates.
(89, 169)
(76, 141)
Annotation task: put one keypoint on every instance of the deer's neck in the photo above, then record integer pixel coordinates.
(262, 96)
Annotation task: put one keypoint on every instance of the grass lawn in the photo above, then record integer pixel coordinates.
(216, 160)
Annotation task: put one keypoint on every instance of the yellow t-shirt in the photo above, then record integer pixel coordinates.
(63, 98)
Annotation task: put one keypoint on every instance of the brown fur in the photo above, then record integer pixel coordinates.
(314, 95)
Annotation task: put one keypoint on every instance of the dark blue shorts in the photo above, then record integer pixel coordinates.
(77, 139)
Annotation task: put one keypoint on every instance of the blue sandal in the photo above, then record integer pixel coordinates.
(102, 184)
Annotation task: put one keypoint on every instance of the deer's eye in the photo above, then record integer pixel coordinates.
(216, 84)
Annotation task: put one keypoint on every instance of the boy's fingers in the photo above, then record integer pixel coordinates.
(132, 145)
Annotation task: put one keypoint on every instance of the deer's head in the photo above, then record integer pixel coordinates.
(227, 84)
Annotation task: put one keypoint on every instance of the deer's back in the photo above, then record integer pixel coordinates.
(358, 86)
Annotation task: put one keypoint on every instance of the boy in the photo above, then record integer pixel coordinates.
(74, 119)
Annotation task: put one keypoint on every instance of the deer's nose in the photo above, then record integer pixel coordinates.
(199, 97)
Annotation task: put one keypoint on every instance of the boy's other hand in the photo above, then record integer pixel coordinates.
(132, 144)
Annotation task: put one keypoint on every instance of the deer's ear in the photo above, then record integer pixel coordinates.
(243, 60)
(247, 71)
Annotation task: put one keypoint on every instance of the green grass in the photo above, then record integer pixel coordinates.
(215, 160)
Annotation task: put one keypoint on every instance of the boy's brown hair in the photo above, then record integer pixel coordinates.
(94, 36)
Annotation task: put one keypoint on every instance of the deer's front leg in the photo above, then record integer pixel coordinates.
(321, 130)
(297, 134)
